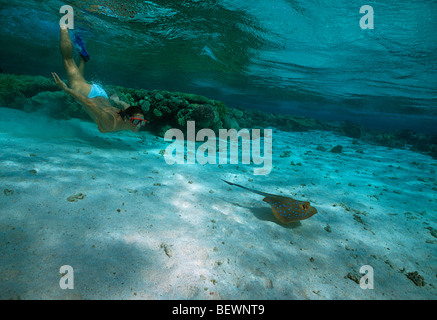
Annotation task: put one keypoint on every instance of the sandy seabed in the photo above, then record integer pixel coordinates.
(133, 227)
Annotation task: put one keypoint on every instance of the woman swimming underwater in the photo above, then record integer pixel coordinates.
(93, 97)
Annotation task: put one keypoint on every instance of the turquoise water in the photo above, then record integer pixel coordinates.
(132, 226)
(302, 57)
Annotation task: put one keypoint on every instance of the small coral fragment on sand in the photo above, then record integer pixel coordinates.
(167, 249)
(416, 278)
(354, 276)
(76, 197)
(337, 149)
(8, 192)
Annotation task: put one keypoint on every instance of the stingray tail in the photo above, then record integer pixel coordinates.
(249, 189)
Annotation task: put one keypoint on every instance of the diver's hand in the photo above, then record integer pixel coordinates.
(61, 84)
(118, 102)
(115, 98)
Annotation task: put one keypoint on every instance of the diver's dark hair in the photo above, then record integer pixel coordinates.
(130, 111)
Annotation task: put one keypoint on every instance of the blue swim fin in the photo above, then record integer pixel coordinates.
(80, 46)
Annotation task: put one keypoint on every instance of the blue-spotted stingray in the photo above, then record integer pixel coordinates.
(285, 209)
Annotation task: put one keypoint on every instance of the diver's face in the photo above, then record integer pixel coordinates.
(135, 127)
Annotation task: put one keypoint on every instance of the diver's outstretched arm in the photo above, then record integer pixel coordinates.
(61, 84)
(117, 101)
(96, 113)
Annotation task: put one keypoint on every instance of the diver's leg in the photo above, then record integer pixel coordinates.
(74, 75)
